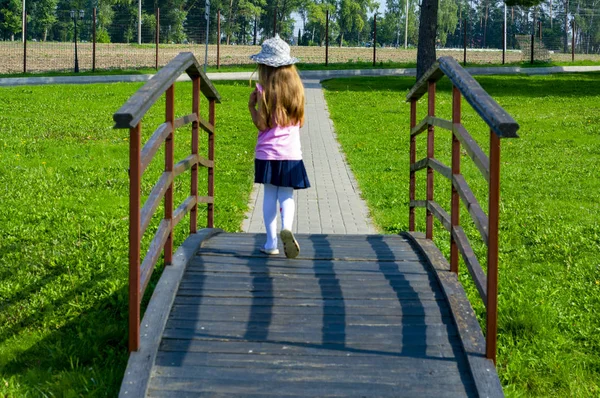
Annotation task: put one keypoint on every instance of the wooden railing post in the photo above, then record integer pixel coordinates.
(169, 156)
(413, 159)
(430, 155)
(455, 205)
(135, 179)
(492, 274)
(194, 182)
(211, 170)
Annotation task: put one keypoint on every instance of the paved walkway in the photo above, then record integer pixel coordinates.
(333, 204)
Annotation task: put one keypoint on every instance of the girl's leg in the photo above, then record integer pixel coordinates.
(285, 195)
(288, 208)
(270, 215)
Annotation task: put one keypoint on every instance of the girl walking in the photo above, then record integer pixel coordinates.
(277, 110)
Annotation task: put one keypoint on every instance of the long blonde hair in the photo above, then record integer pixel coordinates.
(282, 101)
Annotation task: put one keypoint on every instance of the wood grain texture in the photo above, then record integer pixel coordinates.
(468, 256)
(356, 315)
(153, 143)
(473, 207)
(473, 150)
(154, 199)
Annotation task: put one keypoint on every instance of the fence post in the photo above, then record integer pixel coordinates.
(374, 38)
(504, 42)
(169, 148)
(573, 42)
(465, 44)
(157, 36)
(218, 39)
(413, 159)
(326, 37)
(24, 42)
(492, 274)
(94, 39)
(135, 178)
(430, 155)
(194, 182)
(455, 206)
(211, 170)
(532, 46)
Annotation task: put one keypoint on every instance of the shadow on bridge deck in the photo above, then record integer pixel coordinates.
(353, 315)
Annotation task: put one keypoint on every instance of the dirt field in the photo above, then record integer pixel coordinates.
(44, 57)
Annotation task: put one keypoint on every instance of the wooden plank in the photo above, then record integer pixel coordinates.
(140, 362)
(475, 270)
(206, 199)
(419, 165)
(349, 363)
(185, 164)
(364, 348)
(387, 268)
(130, 114)
(154, 199)
(482, 369)
(153, 143)
(422, 126)
(202, 161)
(307, 387)
(473, 150)
(442, 123)
(183, 209)
(154, 251)
(477, 215)
(418, 203)
(309, 253)
(493, 114)
(433, 74)
(407, 294)
(206, 126)
(202, 276)
(187, 119)
(421, 336)
(440, 168)
(439, 213)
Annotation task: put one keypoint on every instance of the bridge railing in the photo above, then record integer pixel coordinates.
(501, 125)
(130, 116)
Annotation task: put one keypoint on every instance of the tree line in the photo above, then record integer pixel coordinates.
(351, 22)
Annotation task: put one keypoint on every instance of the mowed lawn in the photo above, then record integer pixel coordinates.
(64, 226)
(549, 286)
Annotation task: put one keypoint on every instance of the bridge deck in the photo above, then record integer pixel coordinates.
(353, 315)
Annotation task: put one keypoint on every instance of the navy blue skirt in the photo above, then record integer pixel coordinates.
(281, 173)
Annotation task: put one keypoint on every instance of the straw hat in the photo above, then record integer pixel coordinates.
(275, 52)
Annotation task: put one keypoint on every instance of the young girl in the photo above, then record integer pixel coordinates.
(277, 110)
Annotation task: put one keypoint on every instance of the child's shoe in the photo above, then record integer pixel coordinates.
(290, 245)
(270, 252)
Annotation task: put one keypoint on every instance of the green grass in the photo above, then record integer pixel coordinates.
(549, 287)
(63, 240)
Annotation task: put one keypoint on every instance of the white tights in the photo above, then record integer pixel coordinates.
(285, 196)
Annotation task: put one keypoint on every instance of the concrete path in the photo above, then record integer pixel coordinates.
(333, 204)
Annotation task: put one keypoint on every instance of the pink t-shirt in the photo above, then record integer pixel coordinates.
(279, 143)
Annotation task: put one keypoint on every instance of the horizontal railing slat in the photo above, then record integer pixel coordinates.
(462, 242)
(489, 110)
(187, 119)
(473, 150)
(185, 164)
(183, 209)
(156, 247)
(206, 126)
(156, 195)
(439, 213)
(153, 143)
(418, 203)
(206, 199)
(441, 123)
(479, 217)
(441, 168)
(205, 162)
(419, 128)
(419, 165)
(130, 114)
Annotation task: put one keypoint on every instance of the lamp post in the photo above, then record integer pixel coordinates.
(74, 16)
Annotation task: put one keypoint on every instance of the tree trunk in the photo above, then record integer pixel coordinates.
(566, 38)
(427, 33)
(341, 39)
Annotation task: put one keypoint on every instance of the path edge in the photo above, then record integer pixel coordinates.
(140, 363)
(482, 369)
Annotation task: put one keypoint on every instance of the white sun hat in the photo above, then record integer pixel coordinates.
(275, 52)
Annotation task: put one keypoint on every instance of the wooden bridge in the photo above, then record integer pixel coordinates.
(353, 315)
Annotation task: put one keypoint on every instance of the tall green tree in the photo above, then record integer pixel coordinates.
(43, 17)
(11, 18)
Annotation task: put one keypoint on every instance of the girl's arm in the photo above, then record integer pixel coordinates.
(256, 118)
